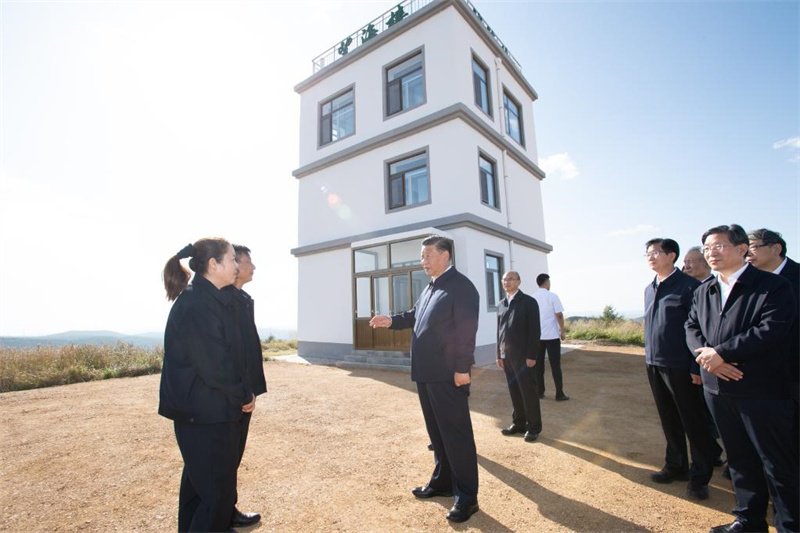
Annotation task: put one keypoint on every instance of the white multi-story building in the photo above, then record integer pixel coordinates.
(419, 123)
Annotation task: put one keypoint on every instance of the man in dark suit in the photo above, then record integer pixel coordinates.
(767, 252)
(518, 332)
(444, 322)
(739, 328)
(695, 265)
(673, 374)
(253, 360)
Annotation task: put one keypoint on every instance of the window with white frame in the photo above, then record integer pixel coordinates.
(513, 118)
(337, 118)
(480, 85)
(488, 177)
(407, 182)
(405, 85)
(494, 277)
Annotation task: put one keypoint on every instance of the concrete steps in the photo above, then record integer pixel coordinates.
(377, 360)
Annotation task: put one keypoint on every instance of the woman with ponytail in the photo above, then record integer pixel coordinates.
(203, 389)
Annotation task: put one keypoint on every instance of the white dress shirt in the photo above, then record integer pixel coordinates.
(549, 305)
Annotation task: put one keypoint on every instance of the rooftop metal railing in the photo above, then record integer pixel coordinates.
(385, 21)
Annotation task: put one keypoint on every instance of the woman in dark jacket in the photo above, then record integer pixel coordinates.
(203, 389)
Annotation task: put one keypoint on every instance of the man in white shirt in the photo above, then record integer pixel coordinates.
(551, 317)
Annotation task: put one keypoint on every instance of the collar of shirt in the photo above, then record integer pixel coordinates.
(657, 283)
(780, 267)
(442, 274)
(510, 297)
(732, 279)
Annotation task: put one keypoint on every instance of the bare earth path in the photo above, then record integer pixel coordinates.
(339, 450)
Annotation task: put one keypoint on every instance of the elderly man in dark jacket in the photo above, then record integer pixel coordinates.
(444, 322)
(518, 338)
(673, 374)
(738, 327)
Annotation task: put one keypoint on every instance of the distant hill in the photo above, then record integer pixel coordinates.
(146, 340)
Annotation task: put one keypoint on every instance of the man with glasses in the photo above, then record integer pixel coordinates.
(518, 333)
(768, 253)
(673, 374)
(739, 328)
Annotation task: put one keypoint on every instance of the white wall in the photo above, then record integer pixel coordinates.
(324, 299)
(449, 42)
(349, 198)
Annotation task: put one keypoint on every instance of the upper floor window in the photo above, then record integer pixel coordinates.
(488, 175)
(513, 118)
(480, 84)
(337, 118)
(408, 182)
(405, 85)
(494, 283)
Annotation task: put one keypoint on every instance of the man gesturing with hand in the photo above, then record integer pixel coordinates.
(444, 322)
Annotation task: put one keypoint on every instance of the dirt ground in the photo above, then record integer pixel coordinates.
(339, 450)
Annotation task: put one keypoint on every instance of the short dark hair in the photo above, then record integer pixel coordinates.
(767, 236)
(542, 278)
(735, 233)
(240, 250)
(441, 243)
(668, 245)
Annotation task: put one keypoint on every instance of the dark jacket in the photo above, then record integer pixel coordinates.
(202, 378)
(445, 321)
(244, 312)
(792, 272)
(518, 327)
(752, 330)
(666, 308)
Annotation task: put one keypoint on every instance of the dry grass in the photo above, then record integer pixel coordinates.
(47, 366)
(627, 332)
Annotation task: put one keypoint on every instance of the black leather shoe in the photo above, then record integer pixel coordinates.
(719, 461)
(665, 475)
(697, 492)
(737, 527)
(512, 430)
(240, 519)
(430, 447)
(426, 491)
(531, 436)
(562, 398)
(541, 396)
(461, 512)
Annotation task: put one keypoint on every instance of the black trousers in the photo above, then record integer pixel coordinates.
(757, 434)
(208, 483)
(524, 391)
(680, 407)
(244, 428)
(553, 350)
(445, 408)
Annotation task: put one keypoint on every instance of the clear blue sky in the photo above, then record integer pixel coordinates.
(120, 120)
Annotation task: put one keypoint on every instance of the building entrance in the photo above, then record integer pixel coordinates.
(387, 279)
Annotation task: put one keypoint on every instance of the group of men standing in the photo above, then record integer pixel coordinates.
(726, 347)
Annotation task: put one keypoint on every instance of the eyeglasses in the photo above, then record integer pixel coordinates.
(654, 253)
(716, 247)
(754, 247)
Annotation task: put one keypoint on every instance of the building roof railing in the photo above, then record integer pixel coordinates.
(385, 21)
